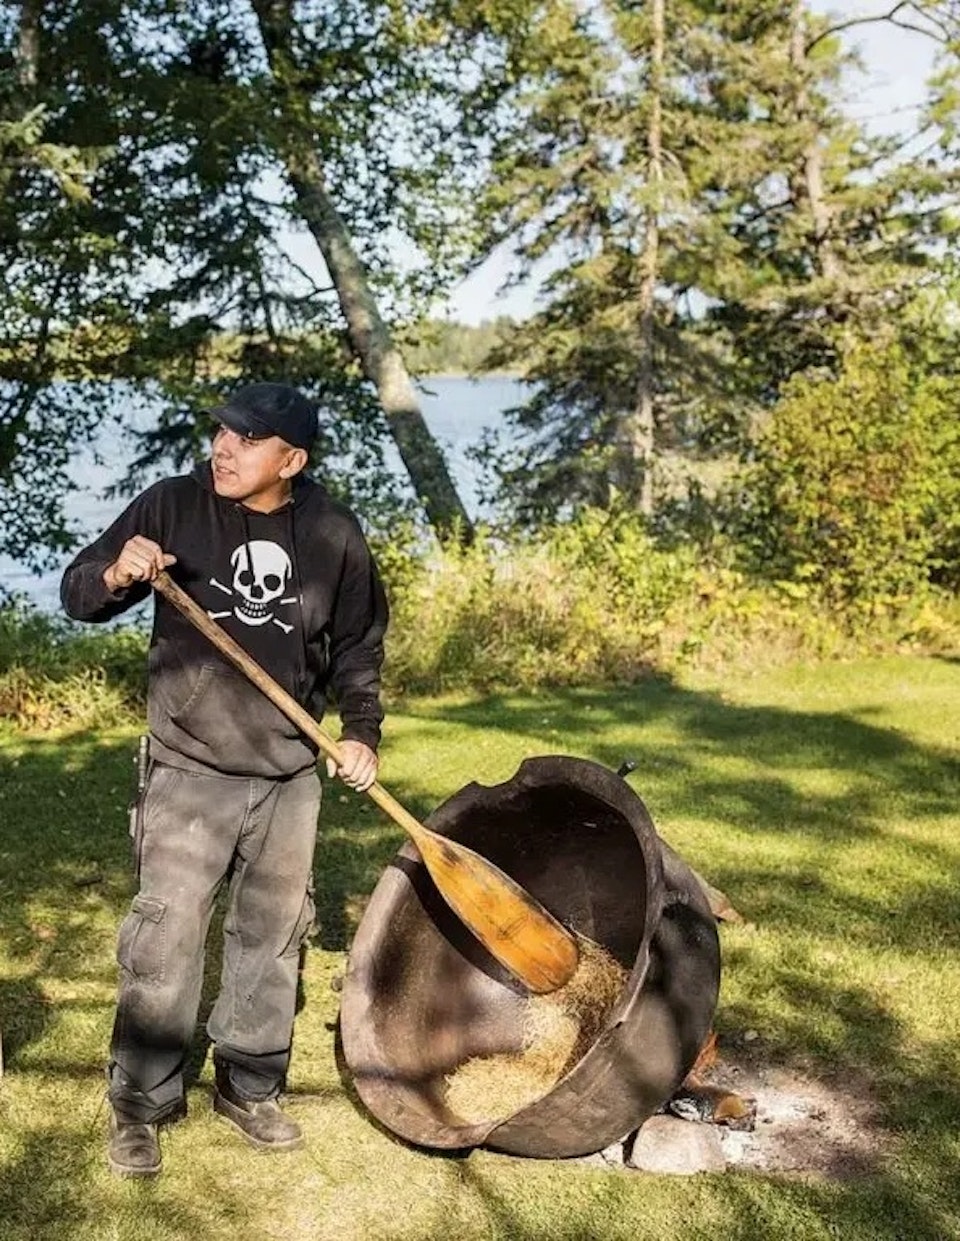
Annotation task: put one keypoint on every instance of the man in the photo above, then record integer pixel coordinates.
(232, 792)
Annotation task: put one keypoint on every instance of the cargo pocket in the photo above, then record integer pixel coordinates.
(305, 925)
(142, 942)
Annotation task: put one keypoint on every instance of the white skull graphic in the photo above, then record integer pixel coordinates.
(262, 571)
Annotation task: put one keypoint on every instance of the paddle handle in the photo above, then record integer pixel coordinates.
(526, 938)
(164, 584)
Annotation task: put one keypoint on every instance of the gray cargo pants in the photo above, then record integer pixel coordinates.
(197, 831)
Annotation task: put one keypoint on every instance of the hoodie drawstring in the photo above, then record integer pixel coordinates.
(292, 535)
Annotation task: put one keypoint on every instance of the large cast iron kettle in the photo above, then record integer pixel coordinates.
(420, 995)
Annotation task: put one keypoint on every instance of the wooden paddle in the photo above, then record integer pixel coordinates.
(511, 924)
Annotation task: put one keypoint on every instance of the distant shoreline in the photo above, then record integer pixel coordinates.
(479, 376)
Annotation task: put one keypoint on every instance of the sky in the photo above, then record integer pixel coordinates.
(887, 97)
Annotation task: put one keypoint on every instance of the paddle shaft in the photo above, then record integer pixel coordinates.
(167, 587)
(511, 924)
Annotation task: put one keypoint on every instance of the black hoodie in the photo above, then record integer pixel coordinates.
(297, 588)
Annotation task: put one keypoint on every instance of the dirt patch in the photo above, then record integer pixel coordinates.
(803, 1124)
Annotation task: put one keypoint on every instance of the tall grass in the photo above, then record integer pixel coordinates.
(598, 602)
(593, 603)
(54, 673)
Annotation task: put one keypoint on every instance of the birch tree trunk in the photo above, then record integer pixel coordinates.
(369, 335)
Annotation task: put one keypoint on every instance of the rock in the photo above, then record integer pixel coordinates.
(612, 1156)
(666, 1144)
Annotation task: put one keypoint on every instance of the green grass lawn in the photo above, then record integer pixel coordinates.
(824, 801)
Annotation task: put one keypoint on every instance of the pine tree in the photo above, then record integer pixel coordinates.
(848, 226)
(621, 168)
(715, 223)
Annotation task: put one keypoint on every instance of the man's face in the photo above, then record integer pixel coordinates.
(253, 471)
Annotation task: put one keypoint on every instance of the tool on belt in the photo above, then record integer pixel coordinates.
(135, 812)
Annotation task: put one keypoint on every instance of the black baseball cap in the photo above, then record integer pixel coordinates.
(261, 410)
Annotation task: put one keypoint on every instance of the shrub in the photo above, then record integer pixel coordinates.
(54, 673)
(584, 602)
(598, 602)
(853, 493)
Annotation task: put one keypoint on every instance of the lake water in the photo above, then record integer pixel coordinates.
(457, 411)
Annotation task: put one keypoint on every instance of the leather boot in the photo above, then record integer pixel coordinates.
(133, 1148)
(263, 1123)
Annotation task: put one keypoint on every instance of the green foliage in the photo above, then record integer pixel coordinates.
(50, 245)
(597, 602)
(572, 610)
(21, 140)
(534, 613)
(145, 215)
(853, 492)
(54, 673)
(145, 220)
(621, 176)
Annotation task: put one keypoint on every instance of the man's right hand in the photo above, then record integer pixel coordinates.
(140, 560)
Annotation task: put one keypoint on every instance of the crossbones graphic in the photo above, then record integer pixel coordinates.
(261, 573)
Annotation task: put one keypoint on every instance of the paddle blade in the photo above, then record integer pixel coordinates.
(514, 927)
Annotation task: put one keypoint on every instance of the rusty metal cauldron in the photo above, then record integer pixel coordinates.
(421, 995)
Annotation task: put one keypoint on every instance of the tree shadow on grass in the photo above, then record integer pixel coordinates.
(775, 750)
(48, 1192)
(351, 854)
(680, 739)
(25, 1013)
(878, 1208)
(830, 1026)
(65, 880)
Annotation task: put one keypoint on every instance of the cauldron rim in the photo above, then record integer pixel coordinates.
(564, 1100)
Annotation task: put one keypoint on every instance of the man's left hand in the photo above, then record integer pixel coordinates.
(358, 768)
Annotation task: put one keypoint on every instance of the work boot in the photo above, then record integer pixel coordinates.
(262, 1122)
(133, 1148)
